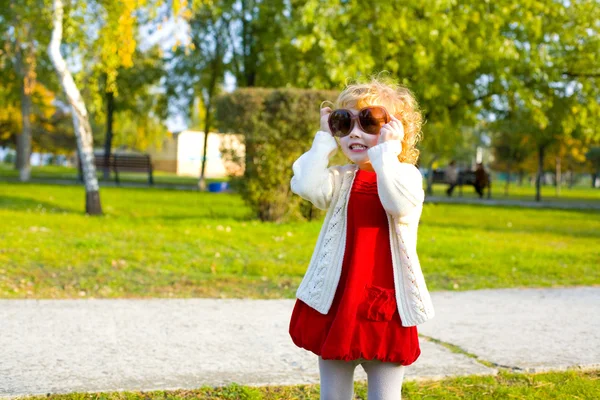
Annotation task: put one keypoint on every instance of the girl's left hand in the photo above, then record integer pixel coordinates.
(393, 130)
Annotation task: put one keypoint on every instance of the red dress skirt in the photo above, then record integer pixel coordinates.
(363, 321)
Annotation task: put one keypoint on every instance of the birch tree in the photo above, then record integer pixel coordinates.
(116, 45)
(81, 122)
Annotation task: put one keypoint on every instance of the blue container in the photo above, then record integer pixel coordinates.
(217, 187)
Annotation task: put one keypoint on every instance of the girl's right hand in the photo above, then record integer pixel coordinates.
(325, 111)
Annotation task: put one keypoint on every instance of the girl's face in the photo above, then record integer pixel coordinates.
(356, 143)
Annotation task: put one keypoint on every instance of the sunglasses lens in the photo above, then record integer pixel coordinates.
(340, 122)
(372, 119)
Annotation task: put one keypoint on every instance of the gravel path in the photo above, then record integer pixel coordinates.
(61, 346)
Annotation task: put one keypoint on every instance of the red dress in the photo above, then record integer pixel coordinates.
(363, 321)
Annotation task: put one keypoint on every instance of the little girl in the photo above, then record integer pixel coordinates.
(364, 293)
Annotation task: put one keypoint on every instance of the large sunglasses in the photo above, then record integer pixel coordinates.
(370, 120)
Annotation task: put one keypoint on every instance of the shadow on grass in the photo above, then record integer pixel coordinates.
(200, 214)
(24, 204)
(139, 203)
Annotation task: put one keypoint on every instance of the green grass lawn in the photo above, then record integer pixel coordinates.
(555, 385)
(165, 243)
(50, 172)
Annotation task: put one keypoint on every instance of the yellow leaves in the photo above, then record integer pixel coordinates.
(117, 37)
(177, 6)
(125, 34)
(46, 98)
(185, 9)
(10, 121)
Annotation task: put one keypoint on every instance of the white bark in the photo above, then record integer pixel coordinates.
(81, 123)
(24, 138)
(24, 67)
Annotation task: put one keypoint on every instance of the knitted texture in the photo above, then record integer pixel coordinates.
(401, 194)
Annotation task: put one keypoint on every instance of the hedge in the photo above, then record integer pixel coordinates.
(277, 126)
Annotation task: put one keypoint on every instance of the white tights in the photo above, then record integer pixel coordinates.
(337, 379)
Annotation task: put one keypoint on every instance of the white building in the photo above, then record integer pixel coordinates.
(182, 154)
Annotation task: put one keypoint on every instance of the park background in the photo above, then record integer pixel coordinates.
(512, 84)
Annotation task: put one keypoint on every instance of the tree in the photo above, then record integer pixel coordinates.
(510, 147)
(234, 37)
(554, 78)
(48, 132)
(138, 108)
(116, 45)
(81, 124)
(593, 156)
(446, 52)
(465, 59)
(199, 69)
(23, 42)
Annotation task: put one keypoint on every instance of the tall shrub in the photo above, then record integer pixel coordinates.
(277, 125)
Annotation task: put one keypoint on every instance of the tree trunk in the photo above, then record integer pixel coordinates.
(24, 138)
(216, 62)
(507, 179)
(429, 189)
(571, 178)
(245, 44)
(558, 176)
(25, 70)
(248, 45)
(540, 172)
(202, 180)
(81, 123)
(521, 177)
(110, 108)
(207, 122)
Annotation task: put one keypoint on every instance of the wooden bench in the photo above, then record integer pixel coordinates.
(464, 178)
(125, 163)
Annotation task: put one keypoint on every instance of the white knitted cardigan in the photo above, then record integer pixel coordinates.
(400, 189)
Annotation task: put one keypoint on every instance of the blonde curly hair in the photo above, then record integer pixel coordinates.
(398, 101)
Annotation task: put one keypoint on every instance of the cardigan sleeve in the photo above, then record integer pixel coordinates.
(400, 185)
(312, 179)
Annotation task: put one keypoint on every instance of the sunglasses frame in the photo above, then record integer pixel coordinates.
(356, 119)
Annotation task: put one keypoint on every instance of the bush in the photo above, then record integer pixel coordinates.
(9, 158)
(277, 126)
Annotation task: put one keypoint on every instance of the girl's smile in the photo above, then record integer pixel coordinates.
(357, 147)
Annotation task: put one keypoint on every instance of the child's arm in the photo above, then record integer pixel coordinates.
(312, 179)
(400, 185)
